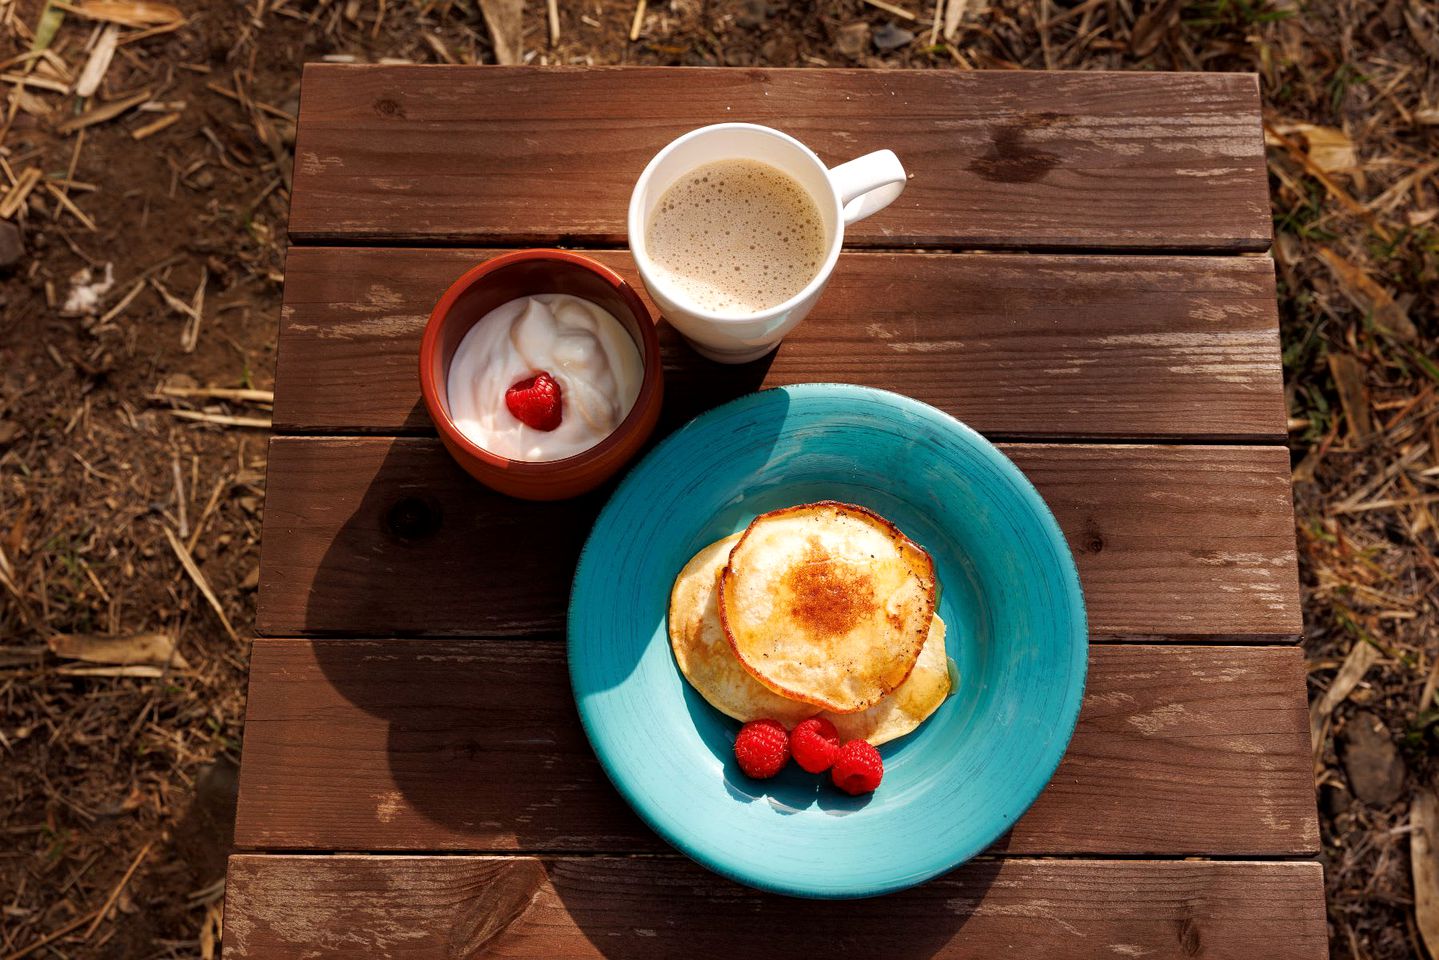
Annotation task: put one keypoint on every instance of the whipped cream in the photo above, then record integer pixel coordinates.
(578, 343)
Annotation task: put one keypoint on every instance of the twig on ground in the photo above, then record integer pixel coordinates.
(887, 7)
(23, 185)
(154, 127)
(68, 183)
(218, 393)
(638, 21)
(102, 113)
(69, 205)
(115, 894)
(180, 497)
(223, 419)
(52, 936)
(119, 308)
(188, 562)
(205, 514)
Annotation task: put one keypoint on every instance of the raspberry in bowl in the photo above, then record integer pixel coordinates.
(541, 371)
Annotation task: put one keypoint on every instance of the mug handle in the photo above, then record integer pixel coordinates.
(868, 184)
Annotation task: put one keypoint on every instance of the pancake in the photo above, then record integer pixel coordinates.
(709, 664)
(703, 652)
(827, 603)
(910, 704)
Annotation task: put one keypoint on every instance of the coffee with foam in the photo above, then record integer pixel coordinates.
(736, 237)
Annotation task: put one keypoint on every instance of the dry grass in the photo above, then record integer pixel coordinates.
(131, 414)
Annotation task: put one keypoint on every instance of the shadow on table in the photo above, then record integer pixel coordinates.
(668, 908)
(429, 551)
(477, 729)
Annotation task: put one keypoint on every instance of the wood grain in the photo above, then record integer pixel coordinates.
(473, 745)
(998, 160)
(383, 537)
(1028, 347)
(457, 908)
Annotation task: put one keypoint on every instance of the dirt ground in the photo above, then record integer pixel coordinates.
(130, 489)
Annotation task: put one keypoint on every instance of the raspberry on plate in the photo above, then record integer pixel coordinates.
(858, 768)
(814, 744)
(762, 748)
(535, 401)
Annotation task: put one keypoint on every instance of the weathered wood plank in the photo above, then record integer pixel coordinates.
(473, 745)
(1000, 160)
(1027, 347)
(382, 536)
(455, 908)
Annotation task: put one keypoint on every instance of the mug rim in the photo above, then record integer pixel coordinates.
(637, 224)
(431, 390)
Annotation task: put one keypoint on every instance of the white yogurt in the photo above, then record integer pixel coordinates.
(578, 343)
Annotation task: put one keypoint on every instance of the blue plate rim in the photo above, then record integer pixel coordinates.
(1075, 596)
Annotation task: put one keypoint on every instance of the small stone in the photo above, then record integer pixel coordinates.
(12, 245)
(889, 37)
(9, 430)
(852, 39)
(203, 179)
(1371, 761)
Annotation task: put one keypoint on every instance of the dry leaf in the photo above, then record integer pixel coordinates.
(1348, 375)
(129, 13)
(1428, 117)
(1370, 296)
(1417, 218)
(1151, 27)
(1361, 657)
(156, 649)
(98, 63)
(1424, 858)
(32, 104)
(504, 18)
(953, 13)
(1273, 137)
(1423, 25)
(1331, 150)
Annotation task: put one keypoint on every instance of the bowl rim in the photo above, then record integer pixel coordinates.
(1066, 720)
(651, 364)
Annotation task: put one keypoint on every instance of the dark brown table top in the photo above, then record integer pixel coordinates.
(1076, 269)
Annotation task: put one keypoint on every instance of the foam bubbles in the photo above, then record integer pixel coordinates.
(737, 236)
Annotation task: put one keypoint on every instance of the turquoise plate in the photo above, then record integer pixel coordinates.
(1009, 595)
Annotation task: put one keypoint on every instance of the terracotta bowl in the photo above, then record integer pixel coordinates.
(521, 274)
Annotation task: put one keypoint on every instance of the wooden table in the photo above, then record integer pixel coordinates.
(1077, 269)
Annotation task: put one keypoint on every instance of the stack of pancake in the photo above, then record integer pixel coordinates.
(821, 609)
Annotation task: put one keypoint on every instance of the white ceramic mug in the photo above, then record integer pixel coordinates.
(844, 194)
